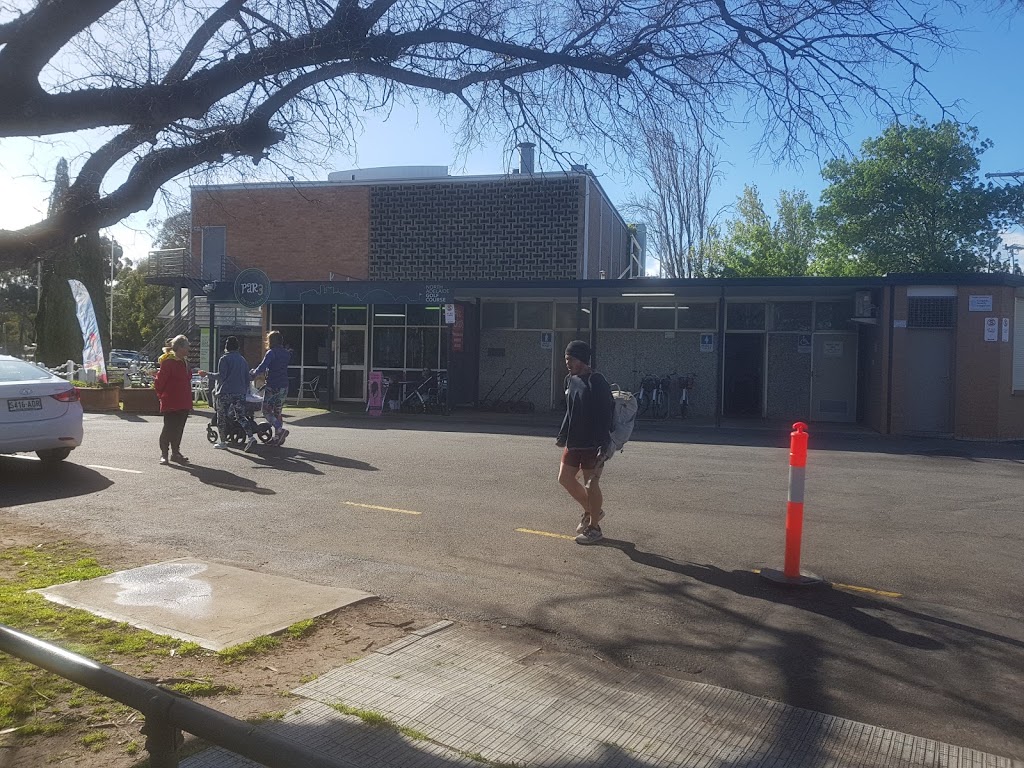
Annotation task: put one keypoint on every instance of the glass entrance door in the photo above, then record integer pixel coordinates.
(350, 371)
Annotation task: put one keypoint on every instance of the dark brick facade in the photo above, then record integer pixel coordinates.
(512, 229)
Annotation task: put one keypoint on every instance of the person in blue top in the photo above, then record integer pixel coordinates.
(232, 386)
(275, 365)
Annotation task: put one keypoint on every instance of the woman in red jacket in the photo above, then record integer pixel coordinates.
(173, 384)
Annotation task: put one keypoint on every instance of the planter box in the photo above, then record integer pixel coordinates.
(99, 400)
(140, 400)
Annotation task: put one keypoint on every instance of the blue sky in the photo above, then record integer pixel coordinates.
(984, 77)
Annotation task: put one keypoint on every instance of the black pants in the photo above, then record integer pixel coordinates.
(174, 428)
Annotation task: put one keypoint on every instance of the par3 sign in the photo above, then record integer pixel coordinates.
(252, 288)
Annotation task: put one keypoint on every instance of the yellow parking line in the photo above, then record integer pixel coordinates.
(869, 590)
(383, 509)
(852, 588)
(545, 533)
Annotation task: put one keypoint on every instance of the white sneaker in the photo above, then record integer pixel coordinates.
(219, 444)
(279, 440)
(250, 444)
(585, 522)
(590, 536)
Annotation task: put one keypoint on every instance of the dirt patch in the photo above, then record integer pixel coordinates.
(75, 727)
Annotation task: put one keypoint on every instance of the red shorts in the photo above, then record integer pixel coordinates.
(580, 458)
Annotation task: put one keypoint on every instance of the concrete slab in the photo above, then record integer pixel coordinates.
(214, 605)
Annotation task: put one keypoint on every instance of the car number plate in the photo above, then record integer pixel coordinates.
(25, 404)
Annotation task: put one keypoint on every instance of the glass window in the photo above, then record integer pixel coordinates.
(316, 348)
(351, 316)
(533, 314)
(286, 314)
(617, 315)
(421, 347)
(791, 316)
(832, 315)
(498, 314)
(388, 347)
(389, 314)
(566, 316)
(697, 317)
(424, 315)
(351, 347)
(18, 370)
(318, 314)
(745, 316)
(654, 315)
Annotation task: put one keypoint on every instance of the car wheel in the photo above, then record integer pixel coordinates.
(53, 454)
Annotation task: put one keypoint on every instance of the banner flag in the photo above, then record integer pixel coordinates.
(92, 347)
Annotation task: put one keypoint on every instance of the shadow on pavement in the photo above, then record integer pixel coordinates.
(25, 481)
(219, 478)
(303, 461)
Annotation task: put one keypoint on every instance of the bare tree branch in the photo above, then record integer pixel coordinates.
(171, 86)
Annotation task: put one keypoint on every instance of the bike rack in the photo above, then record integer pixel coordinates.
(166, 713)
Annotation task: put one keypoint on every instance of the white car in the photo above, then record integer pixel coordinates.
(38, 411)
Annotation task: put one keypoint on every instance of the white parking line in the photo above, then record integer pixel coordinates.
(115, 469)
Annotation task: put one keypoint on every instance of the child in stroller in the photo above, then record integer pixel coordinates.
(235, 434)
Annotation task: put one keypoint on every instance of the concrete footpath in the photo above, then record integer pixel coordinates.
(454, 696)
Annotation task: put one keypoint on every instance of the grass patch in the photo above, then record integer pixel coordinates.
(368, 716)
(253, 647)
(198, 688)
(95, 740)
(308, 678)
(27, 689)
(301, 628)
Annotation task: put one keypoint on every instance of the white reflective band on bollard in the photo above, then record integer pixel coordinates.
(797, 476)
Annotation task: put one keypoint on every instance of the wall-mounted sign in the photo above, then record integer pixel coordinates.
(899, 323)
(707, 342)
(459, 328)
(435, 293)
(833, 349)
(803, 344)
(991, 328)
(547, 340)
(252, 288)
(204, 348)
(449, 314)
(1006, 329)
(979, 304)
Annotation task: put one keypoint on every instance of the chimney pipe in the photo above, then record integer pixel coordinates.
(526, 156)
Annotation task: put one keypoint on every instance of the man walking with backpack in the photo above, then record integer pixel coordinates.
(586, 437)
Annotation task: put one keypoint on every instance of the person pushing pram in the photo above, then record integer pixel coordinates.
(235, 412)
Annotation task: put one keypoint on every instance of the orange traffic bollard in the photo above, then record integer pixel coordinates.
(794, 514)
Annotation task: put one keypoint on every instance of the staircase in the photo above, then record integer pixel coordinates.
(175, 267)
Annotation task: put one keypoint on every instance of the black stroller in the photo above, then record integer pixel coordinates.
(263, 431)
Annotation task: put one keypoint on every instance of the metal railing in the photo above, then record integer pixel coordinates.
(166, 713)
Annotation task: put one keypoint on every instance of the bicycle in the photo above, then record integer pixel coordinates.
(430, 396)
(685, 385)
(652, 396)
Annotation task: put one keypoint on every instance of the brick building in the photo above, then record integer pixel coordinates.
(361, 265)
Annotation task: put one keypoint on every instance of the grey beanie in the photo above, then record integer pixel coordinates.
(580, 350)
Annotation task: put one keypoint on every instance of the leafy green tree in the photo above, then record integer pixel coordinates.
(755, 246)
(913, 202)
(17, 310)
(86, 259)
(137, 307)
